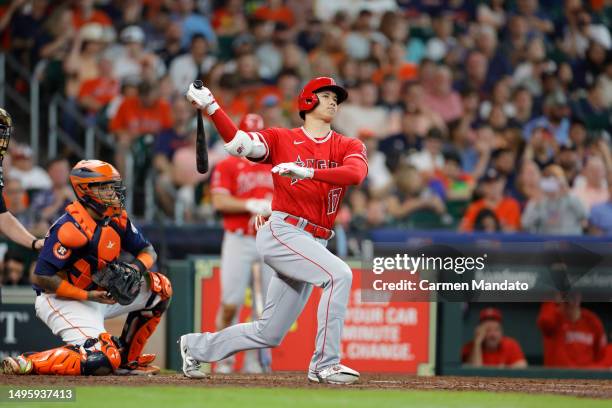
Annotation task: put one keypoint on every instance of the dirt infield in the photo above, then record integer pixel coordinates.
(579, 388)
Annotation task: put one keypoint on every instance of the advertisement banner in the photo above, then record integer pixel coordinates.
(379, 337)
(22, 331)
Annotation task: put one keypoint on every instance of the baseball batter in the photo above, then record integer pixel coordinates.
(313, 166)
(89, 236)
(241, 190)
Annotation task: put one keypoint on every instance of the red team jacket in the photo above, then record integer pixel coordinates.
(571, 344)
(316, 201)
(241, 179)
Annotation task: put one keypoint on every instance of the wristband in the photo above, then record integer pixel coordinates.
(33, 245)
(145, 259)
(68, 290)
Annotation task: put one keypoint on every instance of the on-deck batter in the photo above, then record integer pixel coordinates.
(313, 166)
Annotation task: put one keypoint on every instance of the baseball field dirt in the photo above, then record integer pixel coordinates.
(598, 389)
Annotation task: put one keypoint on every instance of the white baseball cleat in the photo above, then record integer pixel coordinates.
(16, 365)
(335, 374)
(191, 366)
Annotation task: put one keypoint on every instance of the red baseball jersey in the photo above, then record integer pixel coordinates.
(313, 200)
(241, 179)
(571, 344)
(508, 353)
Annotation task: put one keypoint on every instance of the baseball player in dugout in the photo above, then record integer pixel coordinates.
(242, 191)
(312, 168)
(80, 282)
(9, 225)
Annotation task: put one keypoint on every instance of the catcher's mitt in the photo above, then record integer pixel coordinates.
(121, 280)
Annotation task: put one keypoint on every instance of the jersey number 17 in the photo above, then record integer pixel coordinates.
(333, 199)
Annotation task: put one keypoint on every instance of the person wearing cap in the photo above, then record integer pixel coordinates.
(490, 347)
(133, 59)
(23, 168)
(555, 118)
(574, 337)
(82, 61)
(506, 208)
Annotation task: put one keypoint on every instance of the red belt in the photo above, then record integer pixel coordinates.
(313, 229)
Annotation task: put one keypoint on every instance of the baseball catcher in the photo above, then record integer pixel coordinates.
(80, 282)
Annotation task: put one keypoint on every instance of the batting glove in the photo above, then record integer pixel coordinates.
(259, 207)
(202, 99)
(293, 170)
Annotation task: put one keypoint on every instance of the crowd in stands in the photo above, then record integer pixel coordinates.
(478, 116)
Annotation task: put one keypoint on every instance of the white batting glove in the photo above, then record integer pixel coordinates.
(293, 170)
(259, 206)
(202, 99)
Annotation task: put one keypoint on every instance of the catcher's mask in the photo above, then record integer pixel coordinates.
(6, 128)
(308, 100)
(98, 185)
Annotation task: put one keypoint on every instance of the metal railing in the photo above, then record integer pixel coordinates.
(32, 107)
(60, 108)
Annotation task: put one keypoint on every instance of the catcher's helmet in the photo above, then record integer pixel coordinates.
(308, 100)
(251, 122)
(6, 129)
(98, 185)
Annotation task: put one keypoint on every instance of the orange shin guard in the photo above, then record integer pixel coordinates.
(141, 324)
(64, 360)
(95, 357)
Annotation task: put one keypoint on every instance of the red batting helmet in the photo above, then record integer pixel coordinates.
(251, 122)
(308, 100)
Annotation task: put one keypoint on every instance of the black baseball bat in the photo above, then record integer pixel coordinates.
(201, 148)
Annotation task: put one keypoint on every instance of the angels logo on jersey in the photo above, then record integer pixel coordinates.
(300, 163)
(313, 164)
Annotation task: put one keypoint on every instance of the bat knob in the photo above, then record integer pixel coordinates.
(198, 84)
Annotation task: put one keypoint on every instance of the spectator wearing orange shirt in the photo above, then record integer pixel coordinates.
(490, 347)
(96, 93)
(137, 116)
(574, 337)
(397, 65)
(276, 11)
(229, 19)
(506, 209)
